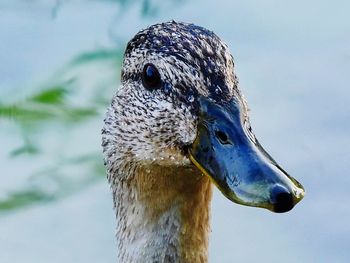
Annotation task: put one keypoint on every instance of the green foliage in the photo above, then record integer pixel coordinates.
(98, 55)
(31, 110)
(27, 148)
(70, 104)
(23, 198)
(21, 113)
(63, 183)
(53, 95)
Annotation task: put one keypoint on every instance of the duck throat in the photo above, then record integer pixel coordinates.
(163, 215)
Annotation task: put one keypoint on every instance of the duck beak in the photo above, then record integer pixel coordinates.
(227, 152)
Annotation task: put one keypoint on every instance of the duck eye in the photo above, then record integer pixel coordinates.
(150, 77)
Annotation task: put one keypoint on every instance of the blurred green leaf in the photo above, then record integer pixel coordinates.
(20, 113)
(26, 149)
(54, 95)
(79, 114)
(101, 54)
(39, 114)
(64, 185)
(24, 198)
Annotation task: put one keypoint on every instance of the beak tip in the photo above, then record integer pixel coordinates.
(299, 194)
(283, 200)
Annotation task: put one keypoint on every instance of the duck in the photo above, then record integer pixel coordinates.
(178, 125)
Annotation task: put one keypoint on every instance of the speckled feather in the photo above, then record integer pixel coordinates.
(197, 61)
(145, 136)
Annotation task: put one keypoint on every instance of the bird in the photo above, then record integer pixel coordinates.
(177, 125)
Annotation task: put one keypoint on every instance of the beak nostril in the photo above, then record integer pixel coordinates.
(223, 138)
(282, 199)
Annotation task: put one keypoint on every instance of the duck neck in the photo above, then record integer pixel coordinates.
(163, 215)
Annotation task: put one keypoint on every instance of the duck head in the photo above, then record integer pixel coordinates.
(180, 105)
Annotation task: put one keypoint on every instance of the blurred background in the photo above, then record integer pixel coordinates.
(60, 65)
